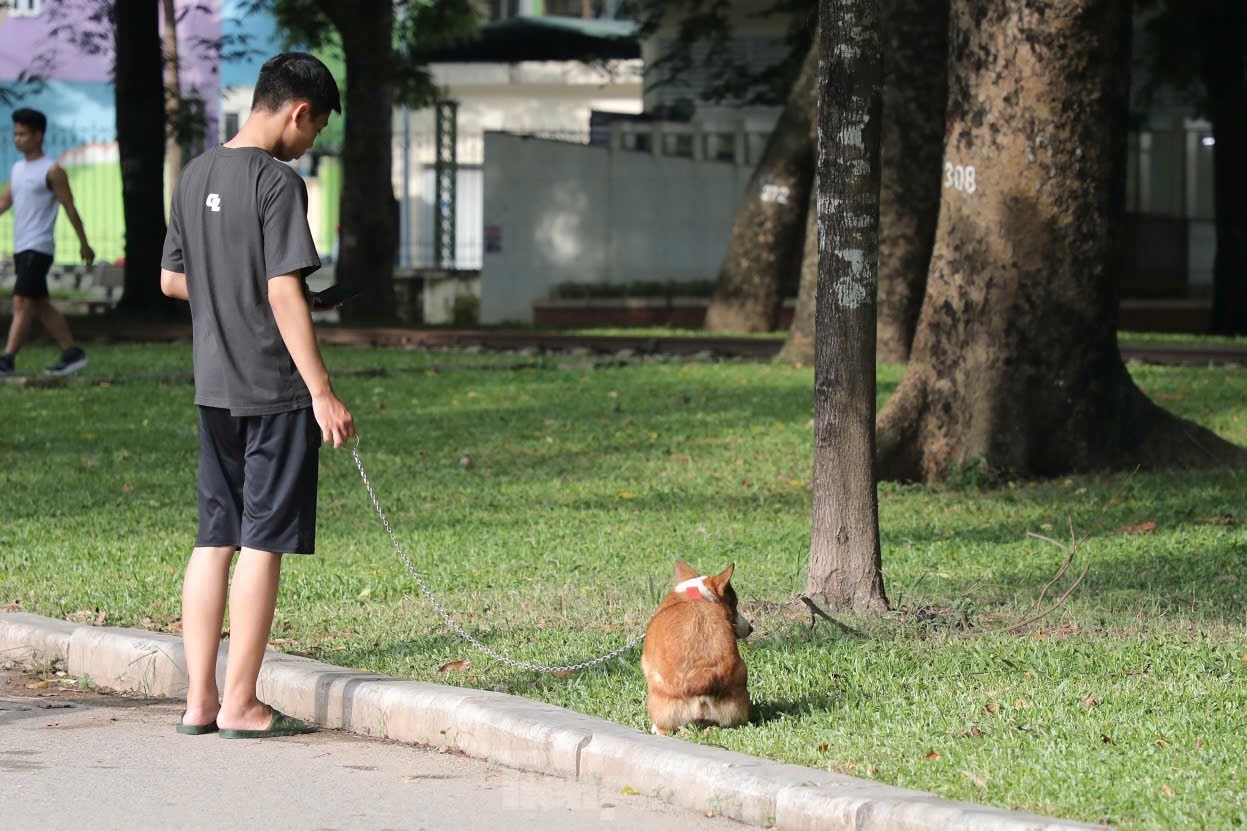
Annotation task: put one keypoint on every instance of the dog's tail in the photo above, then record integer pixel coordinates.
(701, 681)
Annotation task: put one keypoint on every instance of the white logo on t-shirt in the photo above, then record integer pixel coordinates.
(214, 202)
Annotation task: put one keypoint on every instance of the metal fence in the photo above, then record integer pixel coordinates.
(89, 155)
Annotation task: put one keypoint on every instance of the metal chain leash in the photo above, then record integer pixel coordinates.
(454, 625)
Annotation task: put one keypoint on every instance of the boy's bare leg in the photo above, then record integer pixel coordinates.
(55, 323)
(19, 329)
(203, 608)
(252, 602)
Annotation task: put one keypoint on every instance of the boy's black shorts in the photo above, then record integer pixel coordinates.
(257, 480)
(32, 273)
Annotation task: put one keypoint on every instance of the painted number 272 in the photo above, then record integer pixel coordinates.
(959, 177)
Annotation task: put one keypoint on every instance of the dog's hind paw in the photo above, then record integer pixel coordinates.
(653, 728)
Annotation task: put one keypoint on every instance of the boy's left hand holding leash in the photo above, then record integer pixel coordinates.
(335, 420)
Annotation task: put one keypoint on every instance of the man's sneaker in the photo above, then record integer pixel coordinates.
(72, 360)
(7, 366)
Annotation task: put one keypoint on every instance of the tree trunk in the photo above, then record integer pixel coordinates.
(845, 563)
(173, 94)
(139, 94)
(799, 345)
(915, 91)
(369, 231)
(1222, 28)
(1015, 363)
(765, 246)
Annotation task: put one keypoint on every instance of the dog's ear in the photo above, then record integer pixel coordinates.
(683, 571)
(720, 581)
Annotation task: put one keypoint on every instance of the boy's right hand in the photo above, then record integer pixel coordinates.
(336, 423)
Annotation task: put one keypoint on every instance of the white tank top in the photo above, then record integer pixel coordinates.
(34, 206)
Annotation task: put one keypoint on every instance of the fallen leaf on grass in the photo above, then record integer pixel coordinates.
(1138, 528)
(562, 673)
(1104, 738)
(1225, 578)
(992, 707)
(39, 685)
(971, 732)
(822, 748)
(932, 757)
(1089, 702)
(1166, 791)
(456, 666)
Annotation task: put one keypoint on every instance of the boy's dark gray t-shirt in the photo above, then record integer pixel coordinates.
(238, 219)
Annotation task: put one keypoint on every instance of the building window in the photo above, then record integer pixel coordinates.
(25, 8)
(229, 126)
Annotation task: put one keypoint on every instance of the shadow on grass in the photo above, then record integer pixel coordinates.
(453, 648)
(767, 711)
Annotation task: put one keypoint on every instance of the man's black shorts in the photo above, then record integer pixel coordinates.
(257, 480)
(32, 273)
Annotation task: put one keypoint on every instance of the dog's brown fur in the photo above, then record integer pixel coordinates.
(691, 662)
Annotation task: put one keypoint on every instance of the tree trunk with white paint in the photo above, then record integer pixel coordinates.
(845, 571)
(765, 247)
(1015, 365)
(915, 91)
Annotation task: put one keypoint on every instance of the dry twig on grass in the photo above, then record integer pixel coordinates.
(1075, 545)
(816, 613)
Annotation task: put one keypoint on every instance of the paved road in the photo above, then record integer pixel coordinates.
(71, 759)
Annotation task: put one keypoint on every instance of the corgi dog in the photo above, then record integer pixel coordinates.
(691, 663)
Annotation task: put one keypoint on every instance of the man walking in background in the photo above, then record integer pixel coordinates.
(37, 188)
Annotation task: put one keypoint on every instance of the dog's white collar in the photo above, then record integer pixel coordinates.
(696, 587)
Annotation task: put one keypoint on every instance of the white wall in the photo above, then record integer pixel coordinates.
(552, 98)
(574, 213)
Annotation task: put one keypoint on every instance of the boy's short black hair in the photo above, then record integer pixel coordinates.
(31, 119)
(296, 76)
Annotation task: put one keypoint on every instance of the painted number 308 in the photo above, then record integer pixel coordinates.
(959, 177)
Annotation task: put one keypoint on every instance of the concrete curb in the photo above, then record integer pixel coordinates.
(521, 733)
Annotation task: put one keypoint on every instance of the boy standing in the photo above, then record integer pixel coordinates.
(239, 249)
(37, 187)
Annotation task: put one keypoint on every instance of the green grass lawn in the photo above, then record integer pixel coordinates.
(546, 499)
